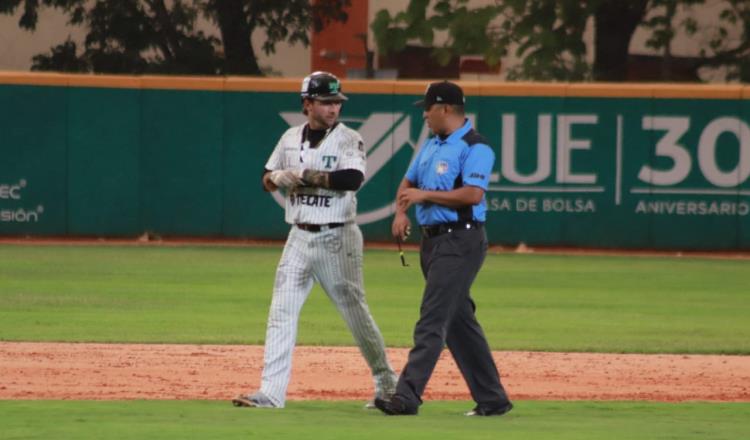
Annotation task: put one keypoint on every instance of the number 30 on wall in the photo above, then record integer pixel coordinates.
(669, 146)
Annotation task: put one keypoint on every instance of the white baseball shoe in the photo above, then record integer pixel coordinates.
(257, 400)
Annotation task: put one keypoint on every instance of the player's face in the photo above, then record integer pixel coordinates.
(322, 114)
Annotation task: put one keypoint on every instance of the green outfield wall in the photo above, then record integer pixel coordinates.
(648, 166)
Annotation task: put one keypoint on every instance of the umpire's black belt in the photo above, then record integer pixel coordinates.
(317, 228)
(442, 228)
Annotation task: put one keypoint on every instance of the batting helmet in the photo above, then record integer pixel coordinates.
(322, 86)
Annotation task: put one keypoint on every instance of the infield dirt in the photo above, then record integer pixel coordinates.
(218, 372)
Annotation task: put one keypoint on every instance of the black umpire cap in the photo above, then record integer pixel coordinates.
(444, 92)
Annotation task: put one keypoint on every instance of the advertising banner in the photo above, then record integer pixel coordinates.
(650, 167)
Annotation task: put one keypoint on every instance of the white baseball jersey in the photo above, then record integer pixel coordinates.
(341, 148)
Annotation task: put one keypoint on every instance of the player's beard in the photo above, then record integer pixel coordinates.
(320, 121)
(322, 117)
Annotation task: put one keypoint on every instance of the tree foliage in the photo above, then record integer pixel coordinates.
(548, 35)
(469, 30)
(722, 51)
(158, 36)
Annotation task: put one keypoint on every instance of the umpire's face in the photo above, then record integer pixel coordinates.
(322, 114)
(435, 116)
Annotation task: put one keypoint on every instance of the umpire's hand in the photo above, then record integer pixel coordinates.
(401, 226)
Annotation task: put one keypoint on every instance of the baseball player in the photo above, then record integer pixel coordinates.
(319, 165)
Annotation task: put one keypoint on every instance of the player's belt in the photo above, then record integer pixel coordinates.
(317, 228)
(443, 228)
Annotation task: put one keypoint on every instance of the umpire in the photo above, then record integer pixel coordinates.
(446, 181)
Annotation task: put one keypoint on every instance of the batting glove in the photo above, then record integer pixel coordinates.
(286, 178)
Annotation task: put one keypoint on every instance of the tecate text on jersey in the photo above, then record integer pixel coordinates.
(310, 200)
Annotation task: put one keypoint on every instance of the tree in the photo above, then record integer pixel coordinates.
(733, 54)
(289, 20)
(547, 35)
(664, 31)
(549, 38)
(156, 36)
(614, 24)
(469, 30)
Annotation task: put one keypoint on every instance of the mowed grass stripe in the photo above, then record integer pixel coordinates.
(221, 295)
(83, 420)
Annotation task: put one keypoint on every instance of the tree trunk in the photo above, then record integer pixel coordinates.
(169, 44)
(666, 63)
(615, 22)
(235, 34)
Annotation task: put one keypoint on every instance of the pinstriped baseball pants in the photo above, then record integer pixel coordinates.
(333, 258)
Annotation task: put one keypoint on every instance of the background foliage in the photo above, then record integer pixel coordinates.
(547, 35)
(159, 36)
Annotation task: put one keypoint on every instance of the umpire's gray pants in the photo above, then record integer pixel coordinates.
(450, 263)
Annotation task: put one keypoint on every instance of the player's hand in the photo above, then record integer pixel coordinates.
(268, 184)
(410, 196)
(286, 179)
(401, 226)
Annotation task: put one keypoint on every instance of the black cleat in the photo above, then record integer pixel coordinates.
(395, 406)
(479, 411)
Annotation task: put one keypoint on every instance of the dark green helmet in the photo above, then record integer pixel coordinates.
(322, 86)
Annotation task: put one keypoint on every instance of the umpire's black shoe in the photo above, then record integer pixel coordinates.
(395, 406)
(479, 411)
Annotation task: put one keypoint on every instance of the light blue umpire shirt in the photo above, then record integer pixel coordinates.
(462, 159)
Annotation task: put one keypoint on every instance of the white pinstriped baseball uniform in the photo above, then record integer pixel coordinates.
(332, 256)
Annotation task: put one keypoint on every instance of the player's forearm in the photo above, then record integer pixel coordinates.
(340, 180)
(464, 196)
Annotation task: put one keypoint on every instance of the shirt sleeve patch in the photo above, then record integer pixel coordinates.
(478, 166)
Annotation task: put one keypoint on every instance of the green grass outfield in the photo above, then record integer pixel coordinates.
(221, 295)
(171, 420)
